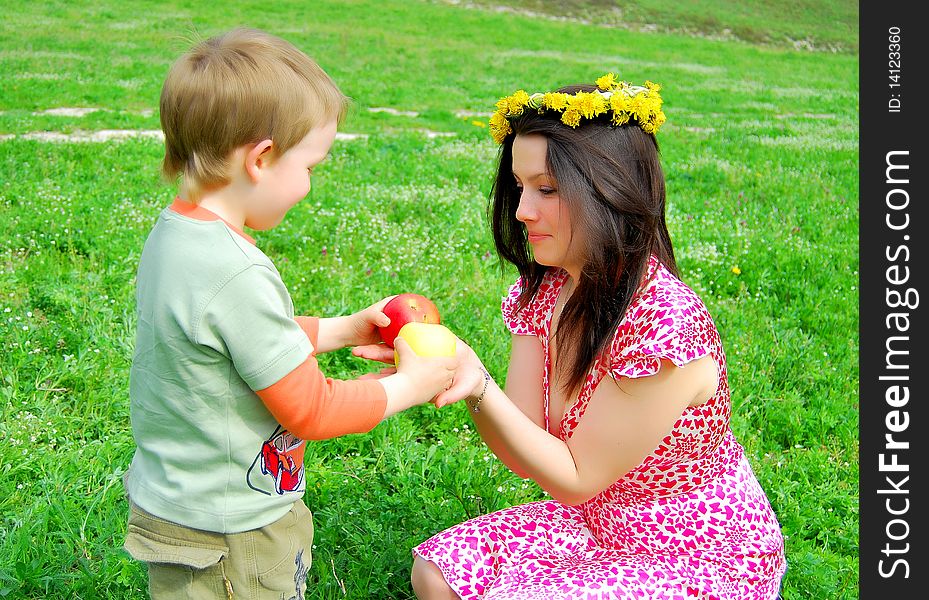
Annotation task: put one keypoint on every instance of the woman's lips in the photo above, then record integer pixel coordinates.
(536, 237)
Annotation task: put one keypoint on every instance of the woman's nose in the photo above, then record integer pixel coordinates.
(524, 210)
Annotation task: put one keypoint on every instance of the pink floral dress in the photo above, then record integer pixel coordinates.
(690, 522)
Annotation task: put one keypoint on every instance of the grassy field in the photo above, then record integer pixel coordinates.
(760, 152)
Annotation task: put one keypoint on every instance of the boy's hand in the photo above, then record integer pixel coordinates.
(357, 329)
(363, 325)
(419, 379)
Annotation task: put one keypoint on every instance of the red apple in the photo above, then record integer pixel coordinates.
(407, 308)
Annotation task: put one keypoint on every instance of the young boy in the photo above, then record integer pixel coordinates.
(224, 384)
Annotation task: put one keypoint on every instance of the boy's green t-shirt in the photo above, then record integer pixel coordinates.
(215, 322)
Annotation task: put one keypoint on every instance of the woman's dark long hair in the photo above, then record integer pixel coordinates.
(611, 183)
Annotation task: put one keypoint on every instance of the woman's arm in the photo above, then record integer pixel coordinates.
(524, 390)
(622, 424)
(627, 419)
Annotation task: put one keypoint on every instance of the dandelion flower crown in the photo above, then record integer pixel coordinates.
(623, 100)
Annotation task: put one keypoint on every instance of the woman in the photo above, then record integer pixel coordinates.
(616, 399)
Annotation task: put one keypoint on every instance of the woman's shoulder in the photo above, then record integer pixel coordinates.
(666, 320)
(665, 295)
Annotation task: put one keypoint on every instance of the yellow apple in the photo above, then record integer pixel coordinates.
(427, 339)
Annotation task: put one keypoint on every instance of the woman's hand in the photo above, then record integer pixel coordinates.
(417, 379)
(469, 377)
(385, 372)
(377, 352)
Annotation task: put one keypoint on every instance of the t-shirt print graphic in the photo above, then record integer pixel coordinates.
(278, 467)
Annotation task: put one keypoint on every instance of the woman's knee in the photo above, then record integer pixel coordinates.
(428, 581)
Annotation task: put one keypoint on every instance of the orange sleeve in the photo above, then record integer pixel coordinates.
(310, 326)
(315, 407)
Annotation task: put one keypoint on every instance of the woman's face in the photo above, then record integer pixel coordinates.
(548, 224)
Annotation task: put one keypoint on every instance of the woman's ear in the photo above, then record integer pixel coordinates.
(256, 158)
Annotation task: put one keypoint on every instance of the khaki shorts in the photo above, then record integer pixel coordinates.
(268, 563)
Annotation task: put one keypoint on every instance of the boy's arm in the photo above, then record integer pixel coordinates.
(310, 326)
(315, 407)
(357, 329)
(330, 333)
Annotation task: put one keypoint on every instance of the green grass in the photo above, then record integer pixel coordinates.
(760, 153)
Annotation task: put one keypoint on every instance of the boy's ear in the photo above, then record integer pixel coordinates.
(256, 158)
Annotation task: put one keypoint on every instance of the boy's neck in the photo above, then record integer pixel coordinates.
(221, 201)
(196, 211)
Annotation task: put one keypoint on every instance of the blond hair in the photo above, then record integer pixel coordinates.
(238, 88)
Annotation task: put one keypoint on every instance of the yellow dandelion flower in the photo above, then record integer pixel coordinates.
(648, 110)
(623, 101)
(606, 82)
(737, 270)
(479, 123)
(499, 127)
(588, 104)
(517, 103)
(571, 117)
(640, 108)
(618, 102)
(593, 104)
(600, 104)
(660, 118)
(620, 118)
(555, 100)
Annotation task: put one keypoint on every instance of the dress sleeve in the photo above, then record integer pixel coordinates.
(519, 322)
(678, 330)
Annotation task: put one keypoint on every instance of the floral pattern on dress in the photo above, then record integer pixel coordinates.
(690, 522)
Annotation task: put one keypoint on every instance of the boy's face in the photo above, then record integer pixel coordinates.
(286, 178)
